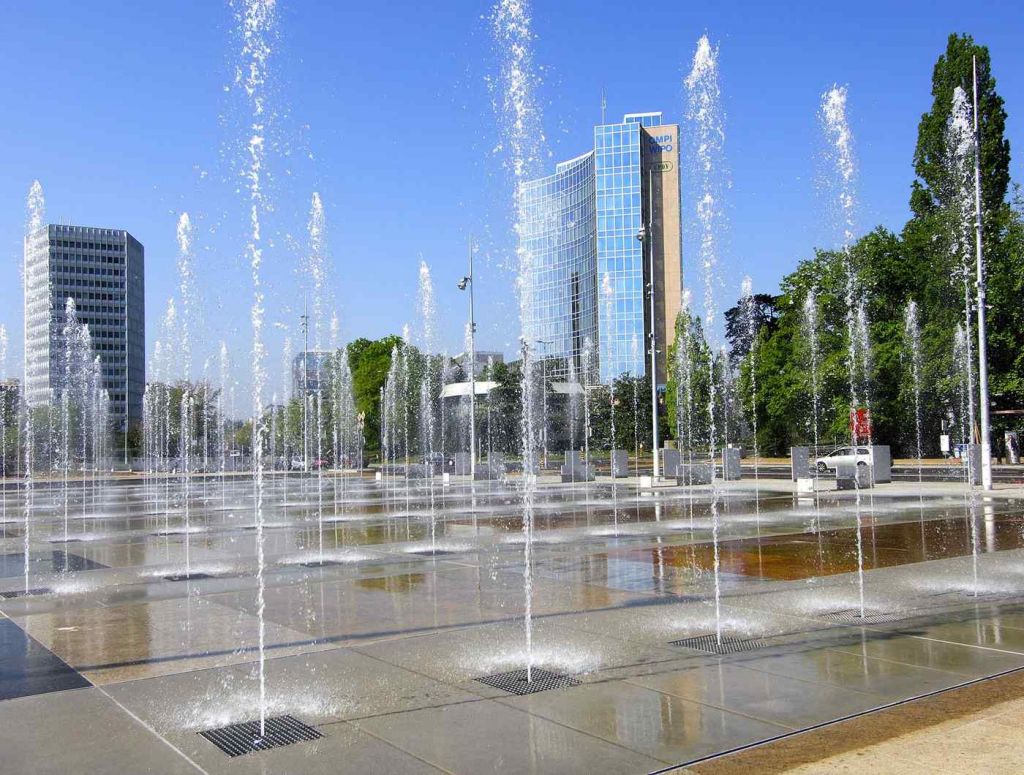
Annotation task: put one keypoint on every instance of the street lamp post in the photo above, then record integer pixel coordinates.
(544, 396)
(464, 283)
(645, 235)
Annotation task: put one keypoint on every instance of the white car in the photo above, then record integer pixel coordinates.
(848, 455)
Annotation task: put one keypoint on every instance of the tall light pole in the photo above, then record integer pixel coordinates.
(464, 283)
(986, 441)
(544, 394)
(646, 235)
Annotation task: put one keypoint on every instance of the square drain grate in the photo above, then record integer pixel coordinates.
(240, 739)
(514, 681)
(188, 576)
(852, 616)
(25, 592)
(727, 645)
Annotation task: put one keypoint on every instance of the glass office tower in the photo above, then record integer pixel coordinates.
(591, 272)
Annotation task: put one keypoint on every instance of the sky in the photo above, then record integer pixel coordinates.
(128, 115)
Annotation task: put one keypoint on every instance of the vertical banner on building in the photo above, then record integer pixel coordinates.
(660, 146)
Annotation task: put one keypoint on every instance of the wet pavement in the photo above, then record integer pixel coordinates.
(126, 608)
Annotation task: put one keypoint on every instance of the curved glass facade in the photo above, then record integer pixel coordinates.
(590, 271)
(559, 232)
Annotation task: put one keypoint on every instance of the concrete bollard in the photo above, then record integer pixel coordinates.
(731, 470)
(881, 464)
(799, 462)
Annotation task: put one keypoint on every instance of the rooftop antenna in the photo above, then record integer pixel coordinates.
(604, 105)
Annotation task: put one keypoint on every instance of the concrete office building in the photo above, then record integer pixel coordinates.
(591, 272)
(103, 270)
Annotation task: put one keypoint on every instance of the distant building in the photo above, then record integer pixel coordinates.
(103, 270)
(590, 281)
(483, 359)
(309, 369)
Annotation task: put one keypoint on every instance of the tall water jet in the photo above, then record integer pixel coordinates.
(521, 128)
(962, 365)
(286, 388)
(684, 394)
(750, 308)
(222, 436)
(36, 209)
(960, 167)
(609, 300)
(317, 272)
(810, 328)
(186, 440)
(842, 178)
(912, 340)
(257, 20)
(587, 366)
(428, 327)
(634, 348)
(317, 265)
(705, 114)
(70, 334)
(4, 473)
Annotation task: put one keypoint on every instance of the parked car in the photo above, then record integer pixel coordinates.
(843, 455)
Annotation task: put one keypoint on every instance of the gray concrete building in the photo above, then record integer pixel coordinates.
(103, 270)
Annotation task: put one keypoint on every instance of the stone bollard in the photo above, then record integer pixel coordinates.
(731, 470)
(669, 462)
(799, 462)
(881, 464)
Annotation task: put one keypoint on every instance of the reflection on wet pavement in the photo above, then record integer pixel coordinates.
(379, 646)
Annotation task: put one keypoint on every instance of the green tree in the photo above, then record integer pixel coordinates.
(688, 389)
(933, 189)
(930, 236)
(369, 360)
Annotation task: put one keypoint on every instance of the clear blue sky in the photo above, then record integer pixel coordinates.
(121, 110)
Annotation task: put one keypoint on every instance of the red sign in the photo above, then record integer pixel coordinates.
(860, 423)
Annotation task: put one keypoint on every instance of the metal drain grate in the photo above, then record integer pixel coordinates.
(25, 592)
(319, 564)
(852, 616)
(188, 576)
(727, 645)
(432, 552)
(240, 739)
(514, 681)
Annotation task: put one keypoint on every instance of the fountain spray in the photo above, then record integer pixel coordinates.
(257, 21)
(521, 125)
(840, 139)
(705, 113)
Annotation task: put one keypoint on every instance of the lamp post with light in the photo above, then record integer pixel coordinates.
(644, 235)
(464, 283)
